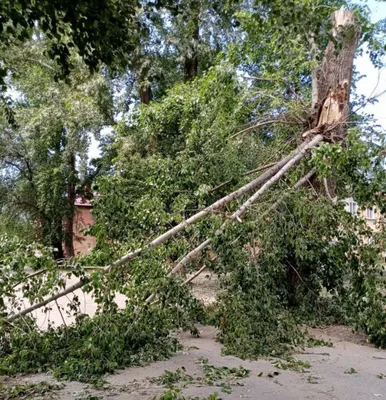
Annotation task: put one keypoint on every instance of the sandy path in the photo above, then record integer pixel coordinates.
(56, 314)
(326, 378)
(204, 288)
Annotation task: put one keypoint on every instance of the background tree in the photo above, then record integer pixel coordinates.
(45, 150)
(98, 30)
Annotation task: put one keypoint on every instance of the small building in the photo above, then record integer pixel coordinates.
(83, 219)
(370, 214)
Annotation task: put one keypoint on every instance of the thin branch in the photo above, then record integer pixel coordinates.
(252, 171)
(36, 273)
(190, 279)
(190, 256)
(296, 271)
(262, 168)
(264, 79)
(264, 123)
(305, 179)
(302, 181)
(60, 312)
(43, 64)
(302, 151)
(325, 183)
(43, 303)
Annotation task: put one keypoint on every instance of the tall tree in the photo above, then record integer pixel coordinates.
(45, 149)
(98, 30)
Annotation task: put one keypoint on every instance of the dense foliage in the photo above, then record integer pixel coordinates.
(207, 92)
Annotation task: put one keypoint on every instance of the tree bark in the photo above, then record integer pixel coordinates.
(57, 236)
(191, 57)
(145, 93)
(331, 84)
(332, 80)
(69, 223)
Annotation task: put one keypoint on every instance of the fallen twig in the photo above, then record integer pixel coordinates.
(193, 277)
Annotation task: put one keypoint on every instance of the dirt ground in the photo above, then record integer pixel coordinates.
(327, 378)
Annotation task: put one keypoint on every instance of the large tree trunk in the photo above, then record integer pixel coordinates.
(331, 84)
(142, 68)
(145, 92)
(57, 237)
(332, 80)
(191, 58)
(69, 223)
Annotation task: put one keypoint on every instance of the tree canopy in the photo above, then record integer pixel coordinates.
(233, 136)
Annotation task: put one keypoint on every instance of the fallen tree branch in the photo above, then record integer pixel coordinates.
(302, 181)
(252, 171)
(60, 312)
(305, 179)
(274, 171)
(191, 278)
(208, 210)
(301, 153)
(36, 273)
(325, 183)
(192, 254)
(165, 236)
(43, 303)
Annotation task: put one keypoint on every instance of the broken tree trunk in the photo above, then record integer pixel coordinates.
(191, 54)
(331, 84)
(331, 81)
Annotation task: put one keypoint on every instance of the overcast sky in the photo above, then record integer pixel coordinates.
(375, 80)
